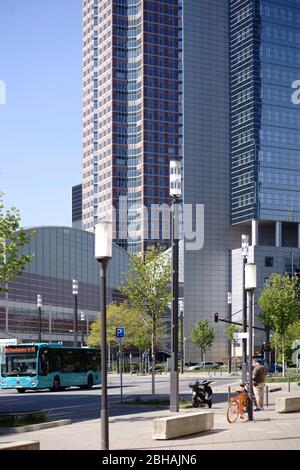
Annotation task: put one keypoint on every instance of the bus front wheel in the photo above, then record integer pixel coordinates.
(56, 385)
(21, 390)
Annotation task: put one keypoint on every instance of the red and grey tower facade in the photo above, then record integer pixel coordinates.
(131, 114)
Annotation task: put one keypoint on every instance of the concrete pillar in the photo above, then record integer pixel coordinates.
(278, 236)
(254, 232)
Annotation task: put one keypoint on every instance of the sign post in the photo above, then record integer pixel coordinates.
(120, 336)
(240, 336)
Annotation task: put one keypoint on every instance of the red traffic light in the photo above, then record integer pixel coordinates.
(216, 317)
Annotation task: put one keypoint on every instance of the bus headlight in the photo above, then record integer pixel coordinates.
(34, 382)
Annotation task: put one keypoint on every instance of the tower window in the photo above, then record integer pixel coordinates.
(269, 262)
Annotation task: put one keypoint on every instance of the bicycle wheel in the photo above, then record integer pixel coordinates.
(232, 411)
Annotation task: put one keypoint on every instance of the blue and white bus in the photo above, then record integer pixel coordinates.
(38, 366)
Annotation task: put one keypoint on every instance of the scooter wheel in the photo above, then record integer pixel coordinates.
(195, 403)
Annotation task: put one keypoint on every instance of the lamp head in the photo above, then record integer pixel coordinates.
(245, 245)
(75, 287)
(39, 300)
(103, 240)
(175, 178)
(250, 276)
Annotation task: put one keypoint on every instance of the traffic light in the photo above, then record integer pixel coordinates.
(216, 317)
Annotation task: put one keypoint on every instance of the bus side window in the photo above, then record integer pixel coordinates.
(44, 364)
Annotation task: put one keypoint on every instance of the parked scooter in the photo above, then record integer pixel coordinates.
(201, 393)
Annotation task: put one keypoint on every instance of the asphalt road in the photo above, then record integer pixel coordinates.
(82, 405)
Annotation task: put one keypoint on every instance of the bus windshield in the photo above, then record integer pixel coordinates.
(19, 364)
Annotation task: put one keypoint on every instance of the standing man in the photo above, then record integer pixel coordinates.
(259, 379)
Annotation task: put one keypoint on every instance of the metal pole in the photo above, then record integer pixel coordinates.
(104, 407)
(121, 370)
(267, 349)
(174, 385)
(267, 396)
(109, 357)
(289, 384)
(39, 324)
(244, 363)
(250, 299)
(182, 344)
(229, 345)
(229, 392)
(6, 287)
(75, 342)
(6, 307)
(50, 326)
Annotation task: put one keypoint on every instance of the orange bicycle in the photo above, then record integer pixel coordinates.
(239, 404)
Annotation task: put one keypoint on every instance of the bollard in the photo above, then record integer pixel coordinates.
(277, 389)
(221, 371)
(289, 384)
(267, 396)
(229, 392)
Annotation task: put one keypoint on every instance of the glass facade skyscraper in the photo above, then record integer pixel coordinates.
(236, 63)
(265, 142)
(77, 206)
(241, 149)
(131, 111)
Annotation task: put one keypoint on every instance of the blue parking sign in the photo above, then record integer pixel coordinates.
(120, 332)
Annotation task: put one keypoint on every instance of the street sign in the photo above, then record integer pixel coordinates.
(8, 342)
(2, 355)
(238, 336)
(120, 333)
(229, 298)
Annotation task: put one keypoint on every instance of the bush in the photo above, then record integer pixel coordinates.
(134, 367)
(17, 420)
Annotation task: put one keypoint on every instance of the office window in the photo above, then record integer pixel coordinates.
(269, 262)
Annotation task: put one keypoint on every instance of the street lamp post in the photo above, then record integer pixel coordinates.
(181, 316)
(250, 285)
(75, 294)
(82, 318)
(175, 193)
(103, 254)
(39, 302)
(245, 251)
(229, 344)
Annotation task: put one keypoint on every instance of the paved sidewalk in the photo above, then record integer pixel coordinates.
(268, 431)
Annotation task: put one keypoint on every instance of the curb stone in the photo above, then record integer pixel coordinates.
(35, 427)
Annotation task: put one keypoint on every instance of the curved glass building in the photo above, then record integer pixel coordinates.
(59, 255)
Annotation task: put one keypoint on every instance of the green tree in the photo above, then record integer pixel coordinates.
(12, 239)
(230, 330)
(292, 334)
(203, 336)
(280, 305)
(119, 315)
(147, 286)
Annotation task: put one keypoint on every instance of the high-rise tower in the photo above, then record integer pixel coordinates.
(131, 112)
(241, 149)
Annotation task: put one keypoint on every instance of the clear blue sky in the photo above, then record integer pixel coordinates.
(40, 125)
